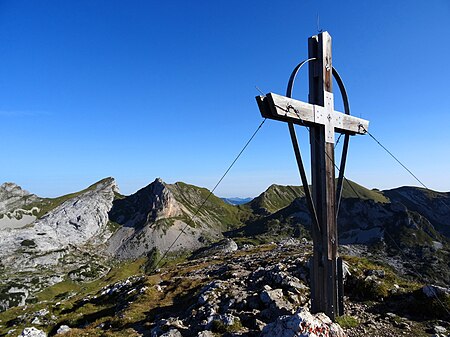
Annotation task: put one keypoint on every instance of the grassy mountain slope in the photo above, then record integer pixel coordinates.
(354, 190)
(214, 208)
(275, 198)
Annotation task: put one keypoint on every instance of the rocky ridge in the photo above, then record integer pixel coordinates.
(252, 291)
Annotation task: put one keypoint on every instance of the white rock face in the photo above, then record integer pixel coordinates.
(75, 222)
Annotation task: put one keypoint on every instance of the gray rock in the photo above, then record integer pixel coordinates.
(13, 197)
(152, 218)
(32, 332)
(172, 333)
(73, 223)
(66, 241)
(439, 329)
(274, 300)
(378, 273)
(36, 321)
(205, 333)
(302, 324)
(63, 329)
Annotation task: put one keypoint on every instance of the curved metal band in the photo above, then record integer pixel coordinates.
(290, 86)
(298, 156)
(341, 86)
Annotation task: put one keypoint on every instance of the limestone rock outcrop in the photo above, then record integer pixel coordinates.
(13, 196)
(66, 241)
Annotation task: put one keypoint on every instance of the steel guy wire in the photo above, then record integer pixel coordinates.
(398, 161)
(191, 219)
(418, 274)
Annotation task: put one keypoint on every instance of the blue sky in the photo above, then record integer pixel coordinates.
(144, 89)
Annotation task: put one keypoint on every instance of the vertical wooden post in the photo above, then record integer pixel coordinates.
(324, 280)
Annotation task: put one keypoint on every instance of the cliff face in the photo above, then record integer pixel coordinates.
(75, 222)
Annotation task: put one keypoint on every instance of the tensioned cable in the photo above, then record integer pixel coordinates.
(358, 196)
(337, 141)
(398, 161)
(191, 219)
(405, 259)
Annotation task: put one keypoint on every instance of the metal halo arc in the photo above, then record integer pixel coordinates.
(298, 157)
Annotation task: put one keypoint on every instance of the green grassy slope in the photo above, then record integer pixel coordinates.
(275, 198)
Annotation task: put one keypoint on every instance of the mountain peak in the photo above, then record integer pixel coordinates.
(12, 196)
(154, 201)
(12, 189)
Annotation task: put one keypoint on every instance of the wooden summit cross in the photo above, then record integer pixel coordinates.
(319, 115)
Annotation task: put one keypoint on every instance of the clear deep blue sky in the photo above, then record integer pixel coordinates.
(144, 89)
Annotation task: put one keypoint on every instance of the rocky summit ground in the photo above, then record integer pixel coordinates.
(234, 291)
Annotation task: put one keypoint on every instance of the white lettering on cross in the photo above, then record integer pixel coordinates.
(286, 109)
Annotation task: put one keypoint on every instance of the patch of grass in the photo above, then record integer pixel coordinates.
(113, 226)
(220, 327)
(119, 272)
(95, 332)
(28, 243)
(377, 288)
(153, 258)
(347, 322)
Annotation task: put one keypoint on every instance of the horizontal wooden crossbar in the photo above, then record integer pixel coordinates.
(286, 109)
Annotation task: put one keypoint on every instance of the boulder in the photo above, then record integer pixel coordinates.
(63, 329)
(32, 332)
(275, 301)
(303, 324)
(172, 333)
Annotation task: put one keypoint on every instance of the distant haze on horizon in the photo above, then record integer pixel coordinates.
(138, 90)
